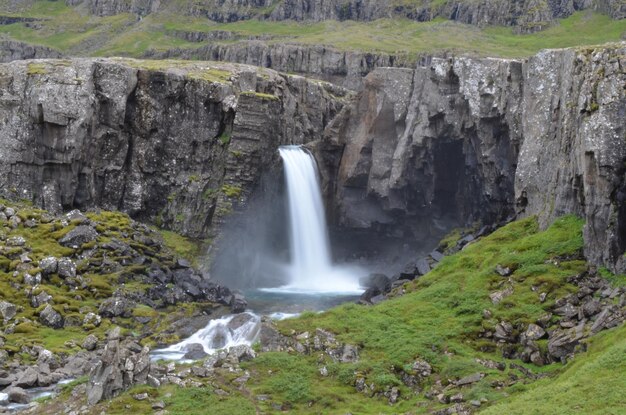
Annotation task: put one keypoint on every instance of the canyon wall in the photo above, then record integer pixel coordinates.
(526, 15)
(344, 68)
(179, 145)
(466, 140)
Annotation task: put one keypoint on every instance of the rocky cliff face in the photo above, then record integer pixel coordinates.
(434, 145)
(181, 145)
(527, 15)
(464, 140)
(345, 68)
(13, 51)
(573, 159)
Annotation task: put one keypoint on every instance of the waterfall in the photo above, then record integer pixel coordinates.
(311, 268)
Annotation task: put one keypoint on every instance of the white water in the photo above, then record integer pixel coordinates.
(223, 333)
(311, 270)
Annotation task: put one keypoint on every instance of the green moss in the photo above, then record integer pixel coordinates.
(261, 95)
(36, 69)
(224, 139)
(182, 246)
(231, 191)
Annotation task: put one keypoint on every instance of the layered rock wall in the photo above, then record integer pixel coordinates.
(573, 159)
(527, 15)
(181, 146)
(344, 68)
(465, 140)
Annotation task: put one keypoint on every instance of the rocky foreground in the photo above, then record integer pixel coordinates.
(68, 280)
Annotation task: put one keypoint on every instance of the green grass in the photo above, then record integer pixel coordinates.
(68, 30)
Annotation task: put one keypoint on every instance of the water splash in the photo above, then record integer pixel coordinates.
(223, 333)
(311, 270)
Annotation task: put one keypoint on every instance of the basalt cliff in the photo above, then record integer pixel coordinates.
(450, 141)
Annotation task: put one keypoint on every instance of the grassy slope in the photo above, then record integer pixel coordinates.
(437, 320)
(76, 33)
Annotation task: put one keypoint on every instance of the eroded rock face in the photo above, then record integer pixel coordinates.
(160, 144)
(574, 151)
(463, 140)
(436, 143)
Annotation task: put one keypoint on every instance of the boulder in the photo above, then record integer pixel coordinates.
(116, 307)
(48, 265)
(66, 268)
(78, 236)
(18, 395)
(51, 318)
(379, 282)
(534, 332)
(423, 266)
(27, 379)
(92, 318)
(90, 342)
(238, 303)
(7, 310)
(195, 351)
(40, 299)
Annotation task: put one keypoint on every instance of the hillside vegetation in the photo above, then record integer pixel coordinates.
(76, 32)
(427, 347)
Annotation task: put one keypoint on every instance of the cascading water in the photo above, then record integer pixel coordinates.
(223, 333)
(311, 269)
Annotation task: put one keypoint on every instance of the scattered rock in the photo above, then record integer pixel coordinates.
(116, 307)
(534, 332)
(503, 271)
(7, 310)
(468, 380)
(48, 265)
(66, 268)
(51, 318)
(78, 236)
(90, 342)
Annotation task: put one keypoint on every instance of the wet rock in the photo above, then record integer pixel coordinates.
(7, 310)
(78, 236)
(18, 395)
(51, 318)
(194, 351)
(436, 255)
(238, 303)
(377, 282)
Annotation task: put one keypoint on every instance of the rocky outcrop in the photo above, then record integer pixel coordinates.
(573, 158)
(462, 140)
(344, 68)
(181, 145)
(123, 363)
(528, 15)
(430, 146)
(11, 50)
